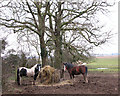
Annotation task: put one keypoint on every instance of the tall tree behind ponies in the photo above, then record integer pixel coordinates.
(74, 27)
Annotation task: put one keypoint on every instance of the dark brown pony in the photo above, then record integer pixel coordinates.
(76, 70)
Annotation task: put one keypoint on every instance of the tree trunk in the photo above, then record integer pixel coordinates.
(58, 54)
(58, 39)
(43, 50)
(41, 31)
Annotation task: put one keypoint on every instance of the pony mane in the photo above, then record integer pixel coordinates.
(34, 66)
(69, 65)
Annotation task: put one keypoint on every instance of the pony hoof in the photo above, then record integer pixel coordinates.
(84, 82)
(18, 84)
(87, 81)
(33, 83)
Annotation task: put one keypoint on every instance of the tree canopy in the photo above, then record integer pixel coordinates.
(70, 26)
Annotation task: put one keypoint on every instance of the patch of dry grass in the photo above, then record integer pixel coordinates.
(65, 82)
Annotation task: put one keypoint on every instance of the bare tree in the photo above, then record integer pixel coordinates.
(78, 21)
(69, 25)
(26, 16)
(30, 43)
(4, 44)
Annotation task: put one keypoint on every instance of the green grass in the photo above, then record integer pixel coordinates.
(110, 63)
(104, 70)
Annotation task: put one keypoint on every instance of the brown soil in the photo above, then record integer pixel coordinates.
(99, 83)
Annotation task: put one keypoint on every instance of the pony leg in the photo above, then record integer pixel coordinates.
(70, 76)
(18, 77)
(35, 77)
(33, 82)
(73, 77)
(85, 78)
(20, 80)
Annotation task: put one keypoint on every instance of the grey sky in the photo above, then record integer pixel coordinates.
(111, 23)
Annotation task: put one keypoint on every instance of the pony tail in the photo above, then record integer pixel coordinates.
(18, 77)
(86, 70)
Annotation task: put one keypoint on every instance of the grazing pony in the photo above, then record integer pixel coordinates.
(76, 70)
(32, 72)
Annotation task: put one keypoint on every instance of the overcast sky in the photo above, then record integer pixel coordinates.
(109, 20)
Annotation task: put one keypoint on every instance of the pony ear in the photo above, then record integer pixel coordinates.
(64, 63)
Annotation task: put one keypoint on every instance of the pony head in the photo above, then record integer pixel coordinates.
(67, 66)
(37, 70)
(64, 66)
(39, 66)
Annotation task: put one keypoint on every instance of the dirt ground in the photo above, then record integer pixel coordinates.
(99, 83)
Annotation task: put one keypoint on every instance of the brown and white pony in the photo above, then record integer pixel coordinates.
(28, 72)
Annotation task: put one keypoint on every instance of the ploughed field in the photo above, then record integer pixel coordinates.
(99, 83)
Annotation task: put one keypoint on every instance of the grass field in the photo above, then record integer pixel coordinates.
(111, 63)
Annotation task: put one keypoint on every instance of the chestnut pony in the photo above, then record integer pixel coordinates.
(76, 70)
